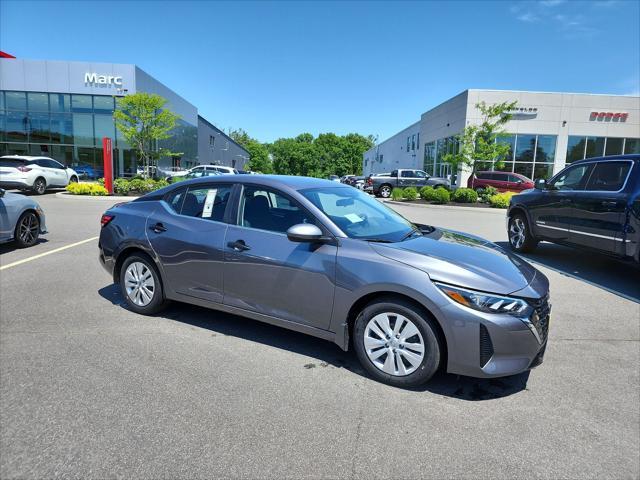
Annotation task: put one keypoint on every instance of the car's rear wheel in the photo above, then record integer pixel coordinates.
(141, 286)
(397, 343)
(40, 185)
(385, 191)
(27, 230)
(521, 238)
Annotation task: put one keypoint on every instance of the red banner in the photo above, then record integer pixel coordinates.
(108, 164)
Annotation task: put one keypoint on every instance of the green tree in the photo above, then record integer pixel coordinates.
(480, 143)
(259, 160)
(143, 121)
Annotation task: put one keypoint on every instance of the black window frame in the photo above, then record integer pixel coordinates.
(589, 166)
(185, 189)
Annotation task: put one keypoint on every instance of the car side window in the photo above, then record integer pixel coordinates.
(407, 174)
(608, 176)
(175, 198)
(267, 209)
(207, 202)
(574, 178)
(394, 173)
(420, 174)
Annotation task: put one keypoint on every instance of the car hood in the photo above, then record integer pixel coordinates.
(465, 260)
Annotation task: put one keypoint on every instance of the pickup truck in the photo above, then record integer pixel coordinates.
(592, 204)
(382, 186)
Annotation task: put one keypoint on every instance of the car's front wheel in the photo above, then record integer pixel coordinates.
(27, 230)
(397, 343)
(521, 238)
(141, 286)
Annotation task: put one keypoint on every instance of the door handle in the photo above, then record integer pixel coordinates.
(609, 204)
(158, 228)
(239, 246)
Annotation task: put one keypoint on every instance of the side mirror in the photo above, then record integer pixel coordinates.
(541, 184)
(1, 192)
(304, 232)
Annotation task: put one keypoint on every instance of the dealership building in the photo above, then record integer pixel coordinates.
(547, 131)
(63, 110)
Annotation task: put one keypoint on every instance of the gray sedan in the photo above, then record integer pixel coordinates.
(21, 219)
(330, 261)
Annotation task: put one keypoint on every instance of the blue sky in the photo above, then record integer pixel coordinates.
(279, 69)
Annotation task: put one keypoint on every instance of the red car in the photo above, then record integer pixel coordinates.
(502, 181)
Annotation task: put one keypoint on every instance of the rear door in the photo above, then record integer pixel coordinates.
(599, 211)
(407, 178)
(265, 272)
(187, 233)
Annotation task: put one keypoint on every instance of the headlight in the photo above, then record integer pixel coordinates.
(484, 302)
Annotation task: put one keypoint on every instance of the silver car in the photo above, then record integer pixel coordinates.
(21, 219)
(328, 260)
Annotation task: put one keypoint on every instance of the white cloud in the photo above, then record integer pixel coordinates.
(551, 3)
(528, 17)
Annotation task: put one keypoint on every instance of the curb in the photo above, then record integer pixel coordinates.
(499, 211)
(95, 197)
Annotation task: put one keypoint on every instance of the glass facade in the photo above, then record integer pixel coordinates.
(69, 128)
(579, 148)
(529, 155)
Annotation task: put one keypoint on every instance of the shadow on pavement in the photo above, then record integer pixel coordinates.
(326, 353)
(11, 246)
(615, 276)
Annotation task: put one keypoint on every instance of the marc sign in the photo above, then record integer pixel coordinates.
(97, 79)
(609, 116)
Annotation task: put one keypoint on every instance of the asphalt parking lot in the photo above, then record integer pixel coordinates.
(89, 389)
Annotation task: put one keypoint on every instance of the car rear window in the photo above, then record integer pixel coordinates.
(608, 176)
(12, 162)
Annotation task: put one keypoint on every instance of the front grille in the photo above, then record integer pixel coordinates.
(486, 346)
(540, 319)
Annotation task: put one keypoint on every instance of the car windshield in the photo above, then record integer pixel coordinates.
(359, 215)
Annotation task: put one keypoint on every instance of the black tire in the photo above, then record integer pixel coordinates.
(425, 325)
(39, 186)
(27, 230)
(158, 301)
(73, 179)
(524, 243)
(385, 190)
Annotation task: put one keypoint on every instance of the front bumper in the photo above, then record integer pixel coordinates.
(488, 345)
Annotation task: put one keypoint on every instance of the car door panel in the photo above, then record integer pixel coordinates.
(280, 278)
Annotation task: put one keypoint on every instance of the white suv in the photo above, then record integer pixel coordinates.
(34, 173)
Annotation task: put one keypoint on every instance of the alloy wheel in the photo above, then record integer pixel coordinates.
(40, 186)
(139, 284)
(517, 232)
(385, 192)
(28, 229)
(394, 344)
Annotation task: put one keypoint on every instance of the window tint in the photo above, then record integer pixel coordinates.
(175, 198)
(267, 209)
(482, 176)
(11, 162)
(207, 202)
(573, 178)
(394, 173)
(609, 176)
(407, 174)
(420, 174)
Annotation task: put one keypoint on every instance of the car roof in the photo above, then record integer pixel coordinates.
(632, 156)
(275, 181)
(25, 157)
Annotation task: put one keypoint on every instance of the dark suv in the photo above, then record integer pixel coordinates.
(592, 203)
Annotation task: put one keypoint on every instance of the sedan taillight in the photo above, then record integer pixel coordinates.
(104, 221)
(23, 169)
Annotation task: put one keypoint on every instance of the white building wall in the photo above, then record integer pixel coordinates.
(393, 152)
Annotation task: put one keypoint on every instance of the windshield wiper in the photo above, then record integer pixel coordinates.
(411, 232)
(377, 240)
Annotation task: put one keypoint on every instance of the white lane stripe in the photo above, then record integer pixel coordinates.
(40, 255)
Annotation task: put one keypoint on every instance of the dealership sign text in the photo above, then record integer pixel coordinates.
(94, 78)
(609, 116)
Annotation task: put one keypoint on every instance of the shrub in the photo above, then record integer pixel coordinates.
(86, 189)
(500, 200)
(100, 181)
(121, 186)
(487, 192)
(464, 195)
(424, 191)
(440, 196)
(410, 193)
(397, 194)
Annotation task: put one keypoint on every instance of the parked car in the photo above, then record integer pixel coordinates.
(347, 179)
(368, 183)
(592, 204)
(501, 181)
(328, 260)
(224, 170)
(89, 172)
(358, 182)
(173, 172)
(193, 173)
(21, 219)
(34, 173)
(382, 186)
(334, 178)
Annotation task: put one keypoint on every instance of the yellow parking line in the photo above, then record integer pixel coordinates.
(40, 255)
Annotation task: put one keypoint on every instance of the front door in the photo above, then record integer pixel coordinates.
(187, 234)
(265, 272)
(599, 210)
(552, 212)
